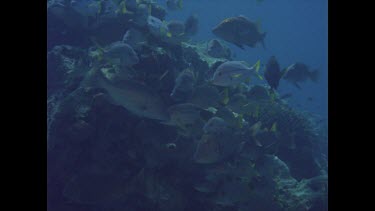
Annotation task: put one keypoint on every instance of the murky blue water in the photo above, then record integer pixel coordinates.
(119, 145)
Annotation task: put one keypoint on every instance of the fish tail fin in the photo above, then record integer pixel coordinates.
(314, 75)
(262, 40)
(257, 68)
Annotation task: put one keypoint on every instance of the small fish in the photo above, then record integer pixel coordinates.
(240, 31)
(237, 102)
(117, 51)
(123, 51)
(264, 137)
(217, 50)
(272, 73)
(208, 150)
(215, 125)
(157, 27)
(233, 73)
(186, 117)
(184, 85)
(232, 119)
(299, 72)
(176, 28)
(174, 4)
(191, 25)
(135, 38)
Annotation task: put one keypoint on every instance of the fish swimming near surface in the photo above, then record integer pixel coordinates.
(232, 73)
(272, 73)
(240, 31)
(299, 72)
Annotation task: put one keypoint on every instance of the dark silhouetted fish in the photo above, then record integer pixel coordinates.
(272, 73)
(299, 72)
(240, 31)
(191, 25)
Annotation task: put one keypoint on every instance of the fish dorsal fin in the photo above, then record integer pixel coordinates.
(245, 63)
(243, 17)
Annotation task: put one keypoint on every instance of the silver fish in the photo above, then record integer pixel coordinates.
(135, 97)
(232, 73)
